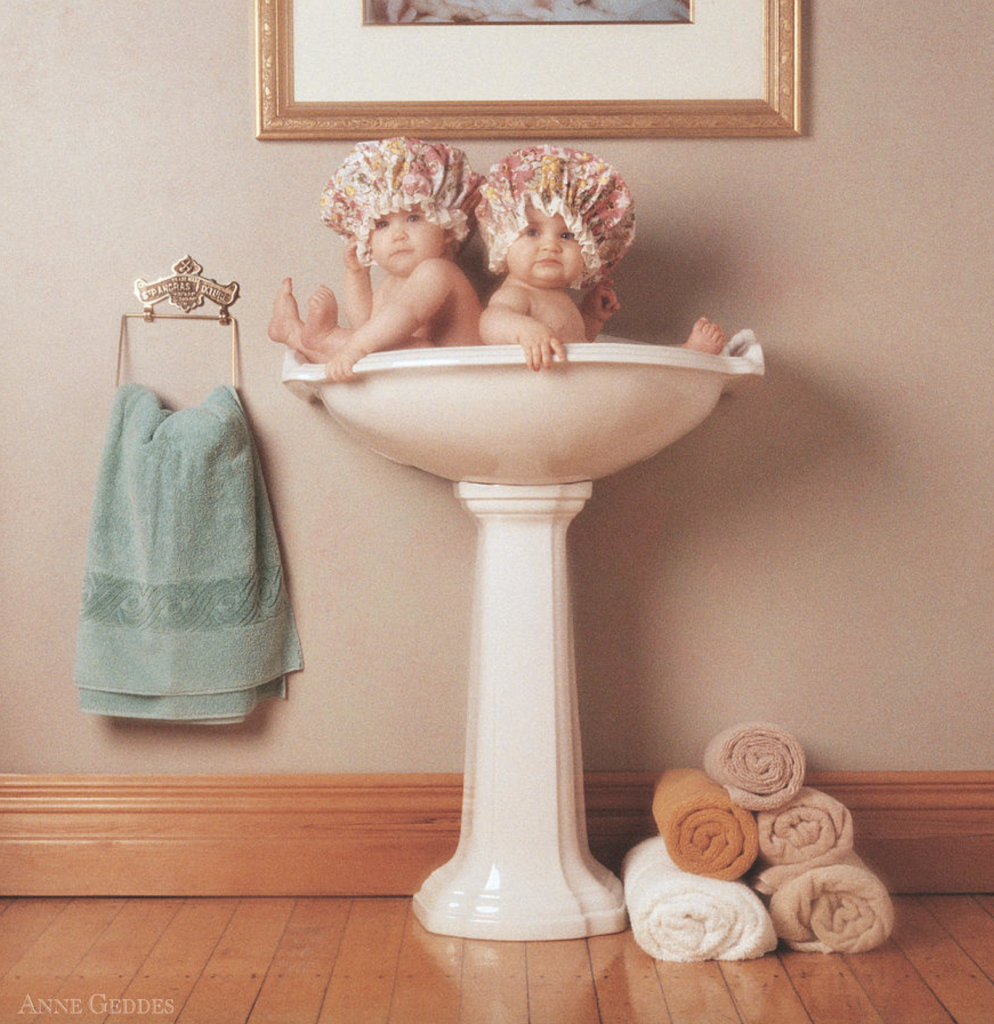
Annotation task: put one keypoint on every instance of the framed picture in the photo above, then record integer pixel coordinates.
(359, 69)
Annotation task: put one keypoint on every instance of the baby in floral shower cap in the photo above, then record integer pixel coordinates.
(404, 205)
(552, 219)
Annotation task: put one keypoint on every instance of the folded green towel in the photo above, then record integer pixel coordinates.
(184, 612)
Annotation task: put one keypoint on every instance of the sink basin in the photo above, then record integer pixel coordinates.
(480, 414)
(523, 448)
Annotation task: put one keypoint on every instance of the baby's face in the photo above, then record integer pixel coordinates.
(545, 254)
(402, 240)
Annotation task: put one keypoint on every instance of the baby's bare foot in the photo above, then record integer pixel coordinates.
(322, 316)
(706, 337)
(285, 325)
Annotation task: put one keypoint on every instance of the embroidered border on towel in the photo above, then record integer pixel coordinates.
(163, 607)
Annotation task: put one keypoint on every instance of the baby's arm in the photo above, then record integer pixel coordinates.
(597, 307)
(418, 300)
(507, 321)
(357, 292)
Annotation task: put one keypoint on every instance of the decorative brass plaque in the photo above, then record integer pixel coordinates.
(187, 289)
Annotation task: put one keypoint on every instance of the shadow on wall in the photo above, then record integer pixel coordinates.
(723, 488)
(670, 284)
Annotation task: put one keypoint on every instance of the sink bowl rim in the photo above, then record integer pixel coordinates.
(604, 350)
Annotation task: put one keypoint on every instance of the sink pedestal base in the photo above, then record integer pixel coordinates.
(523, 869)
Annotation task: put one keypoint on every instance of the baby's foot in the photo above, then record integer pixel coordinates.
(706, 337)
(322, 316)
(285, 325)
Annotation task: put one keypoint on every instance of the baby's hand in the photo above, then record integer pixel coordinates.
(540, 345)
(339, 367)
(351, 259)
(600, 303)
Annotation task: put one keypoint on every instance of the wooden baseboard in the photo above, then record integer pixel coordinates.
(159, 835)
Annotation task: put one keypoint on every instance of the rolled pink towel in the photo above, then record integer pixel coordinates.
(811, 830)
(836, 908)
(760, 765)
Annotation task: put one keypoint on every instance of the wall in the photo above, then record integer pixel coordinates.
(818, 553)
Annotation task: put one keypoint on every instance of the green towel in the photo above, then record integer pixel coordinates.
(184, 612)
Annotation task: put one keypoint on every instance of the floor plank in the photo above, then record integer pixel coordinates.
(829, 989)
(895, 988)
(986, 901)
(969, 924)
(108, 967)
(298, 977)
(762, 992)
(21, 924)
(45, 965)
(365, 970)
(429, 969)
(174, 965)
(696, 993)
(560, 983)
(230, 983)
(959, 984)
(628, 990)
(494, 983)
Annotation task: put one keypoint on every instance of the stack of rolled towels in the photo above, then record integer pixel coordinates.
(747, 855)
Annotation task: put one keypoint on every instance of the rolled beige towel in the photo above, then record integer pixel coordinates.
(811, 830)
(704, 832)
(836, 908)
(761, 765)
(686, 918)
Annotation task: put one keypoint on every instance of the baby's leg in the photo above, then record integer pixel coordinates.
(285, 326)
(322, 317)
(706, 337)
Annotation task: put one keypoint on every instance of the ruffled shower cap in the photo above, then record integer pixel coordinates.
(389, 175)
(588, 193)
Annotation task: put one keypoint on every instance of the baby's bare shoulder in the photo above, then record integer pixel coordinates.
(438, 268)
(512, 296)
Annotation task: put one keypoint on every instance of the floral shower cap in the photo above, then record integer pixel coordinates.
(588, 193)
(389, 175)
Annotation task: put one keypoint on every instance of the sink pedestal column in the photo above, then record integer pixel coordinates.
(523, 869)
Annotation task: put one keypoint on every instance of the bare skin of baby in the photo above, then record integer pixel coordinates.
(705, 337)
(424, 300)
(533, 309)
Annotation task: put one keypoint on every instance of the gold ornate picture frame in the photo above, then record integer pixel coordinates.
(774, 110)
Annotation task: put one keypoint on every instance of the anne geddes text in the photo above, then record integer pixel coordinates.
(97, 1003)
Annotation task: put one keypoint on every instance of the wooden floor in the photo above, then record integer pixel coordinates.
(344, 961)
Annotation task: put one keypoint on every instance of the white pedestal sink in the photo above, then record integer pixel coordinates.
(522, 448)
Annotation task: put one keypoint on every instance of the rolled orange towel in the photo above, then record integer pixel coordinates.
(761, 765)
(705, 833)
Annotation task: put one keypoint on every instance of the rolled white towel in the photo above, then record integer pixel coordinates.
(683, 917)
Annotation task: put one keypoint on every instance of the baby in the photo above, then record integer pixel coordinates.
(404, 205)
(552, 219)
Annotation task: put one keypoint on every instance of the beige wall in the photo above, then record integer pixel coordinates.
(818, 553)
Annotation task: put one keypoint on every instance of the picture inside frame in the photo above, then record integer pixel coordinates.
(521, 12)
